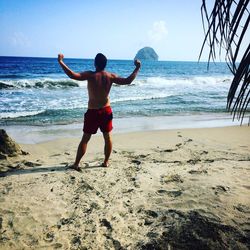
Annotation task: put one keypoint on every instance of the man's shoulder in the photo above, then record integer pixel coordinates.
(110, 74)
(87, 73)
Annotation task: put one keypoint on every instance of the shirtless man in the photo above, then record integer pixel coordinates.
(99, 113)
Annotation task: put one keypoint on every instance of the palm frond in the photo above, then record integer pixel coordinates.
(225, 28)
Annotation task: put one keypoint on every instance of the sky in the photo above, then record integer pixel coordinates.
(117, 28)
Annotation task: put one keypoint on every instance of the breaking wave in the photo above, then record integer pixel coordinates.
(39, 83)
(150, 81)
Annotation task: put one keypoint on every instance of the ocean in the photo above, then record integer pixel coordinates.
(36, 92)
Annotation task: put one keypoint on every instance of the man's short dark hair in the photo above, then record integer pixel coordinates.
(100, 61)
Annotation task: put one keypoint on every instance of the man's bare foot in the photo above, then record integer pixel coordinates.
(105, 165)
(77, 168)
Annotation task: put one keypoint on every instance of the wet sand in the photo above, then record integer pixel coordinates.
(168, 189)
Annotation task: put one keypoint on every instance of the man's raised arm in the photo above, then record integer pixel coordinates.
(128, 80)
(70, 73)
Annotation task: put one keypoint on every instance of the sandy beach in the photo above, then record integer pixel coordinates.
(167, 189)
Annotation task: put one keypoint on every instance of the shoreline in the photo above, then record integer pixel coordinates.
(30, 134)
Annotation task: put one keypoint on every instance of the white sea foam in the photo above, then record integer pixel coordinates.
(19, 114)
(137, 98)
(185, 81)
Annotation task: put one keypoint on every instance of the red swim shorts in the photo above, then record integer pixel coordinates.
(98, 118)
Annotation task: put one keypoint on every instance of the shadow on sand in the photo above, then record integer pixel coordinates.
(45, 169)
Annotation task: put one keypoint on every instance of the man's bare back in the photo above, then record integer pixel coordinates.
(99, 82)
(99, 85)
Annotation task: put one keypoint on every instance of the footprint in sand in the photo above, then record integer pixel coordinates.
(55, 155)
(220, 189)
(93, 206)
(169, 150)
(76, 241)
(242, 208)
(49, 237)
(64, 221)
(193, 161)
(198, 171)
(31, 164)
(171, 178)
(137, 162)
(105, 223)
(171, 193)
(204, 152)
(150, 217)
(179, 135)
(135, 181)
(7, 188)
(72, 179)
(83, 187)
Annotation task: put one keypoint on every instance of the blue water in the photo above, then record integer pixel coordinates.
(35, 91)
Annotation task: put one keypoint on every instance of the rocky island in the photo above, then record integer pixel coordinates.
(147, 53)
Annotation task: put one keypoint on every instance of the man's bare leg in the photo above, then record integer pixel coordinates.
(107, 148)
(81, 150)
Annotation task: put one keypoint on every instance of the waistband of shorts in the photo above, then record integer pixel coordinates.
(103, 108)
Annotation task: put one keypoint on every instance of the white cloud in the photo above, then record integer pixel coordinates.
(20, 40)
(158, 32)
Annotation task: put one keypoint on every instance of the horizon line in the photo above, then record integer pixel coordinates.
(77, 58)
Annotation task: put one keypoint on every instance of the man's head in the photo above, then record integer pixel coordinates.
(100, 61)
